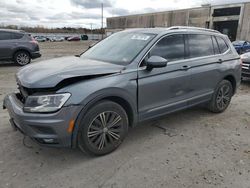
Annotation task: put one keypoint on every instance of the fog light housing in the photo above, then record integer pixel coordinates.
(46, 140)
(49, 140)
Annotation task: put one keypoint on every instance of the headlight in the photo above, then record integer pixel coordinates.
(45, 103)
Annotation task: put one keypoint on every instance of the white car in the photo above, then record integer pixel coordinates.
(245, 65)
(57, 39)
(40, 39)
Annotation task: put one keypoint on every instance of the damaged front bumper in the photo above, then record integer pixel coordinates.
(49, 129)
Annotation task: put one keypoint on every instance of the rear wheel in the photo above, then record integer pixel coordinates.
(22, 58)
(221, 97)
(103, 128)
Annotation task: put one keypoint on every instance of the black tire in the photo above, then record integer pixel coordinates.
(96, 135)
(22, 58)
(221, 97)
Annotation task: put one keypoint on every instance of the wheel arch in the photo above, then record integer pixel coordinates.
(20, 50)
(122, 100)
(232, 80)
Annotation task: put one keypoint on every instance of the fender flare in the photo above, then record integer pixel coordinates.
(96, 97)
(20, 49)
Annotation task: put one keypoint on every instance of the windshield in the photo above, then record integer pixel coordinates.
(120, 48)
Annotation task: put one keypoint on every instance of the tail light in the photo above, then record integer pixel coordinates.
(33, 40)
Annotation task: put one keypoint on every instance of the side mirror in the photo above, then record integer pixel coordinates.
(156, 62)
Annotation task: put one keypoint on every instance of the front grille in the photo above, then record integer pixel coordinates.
(23, 93)
(246, 65)
(20, 97)
(246, 69)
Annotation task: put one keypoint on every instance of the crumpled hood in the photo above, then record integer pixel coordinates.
(47, 74)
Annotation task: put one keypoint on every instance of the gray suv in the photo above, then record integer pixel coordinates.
(18, 46)
(91, 100)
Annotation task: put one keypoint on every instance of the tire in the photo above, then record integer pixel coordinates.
(22, 58)
(221, 97)
(103, 128)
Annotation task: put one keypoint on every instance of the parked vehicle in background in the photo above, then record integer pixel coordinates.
(18, 46)
(40, 39)
(48, 39)
(57, 39)
(241, 46)
(89, 101)
(245, 65)
(84, 37)
(66, 38)
(74, 38)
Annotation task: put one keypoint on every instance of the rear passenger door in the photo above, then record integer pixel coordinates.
(205, 65)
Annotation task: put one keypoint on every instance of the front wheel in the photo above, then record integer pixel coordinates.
(221, 97)
(22, 58)
(103, 128)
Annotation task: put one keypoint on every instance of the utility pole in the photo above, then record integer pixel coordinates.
(91, 31)
(102, 21)
(248, 28)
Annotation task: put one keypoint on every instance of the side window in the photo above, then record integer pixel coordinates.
(171, 48)
(16, 35)
(216, 47)
(222, 45)
(200, 45)
(5, 36)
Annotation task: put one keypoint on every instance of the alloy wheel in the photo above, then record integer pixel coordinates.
(22, 59)
(105, 130)
(223, 97)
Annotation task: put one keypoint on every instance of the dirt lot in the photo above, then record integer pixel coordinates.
(196, 149)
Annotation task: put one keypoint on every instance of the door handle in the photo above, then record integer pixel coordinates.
(220, 61)
(185, 67)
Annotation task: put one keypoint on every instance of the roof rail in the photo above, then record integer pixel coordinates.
(194, 28)
(11, 30)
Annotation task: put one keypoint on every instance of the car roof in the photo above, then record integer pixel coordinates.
(12, 30)
(162, 30)
(239, 41)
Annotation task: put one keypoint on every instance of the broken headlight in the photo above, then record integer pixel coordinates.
(45, 103)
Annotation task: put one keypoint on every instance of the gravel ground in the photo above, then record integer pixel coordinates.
(192, 148)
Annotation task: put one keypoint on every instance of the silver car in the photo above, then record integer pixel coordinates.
(90, 101)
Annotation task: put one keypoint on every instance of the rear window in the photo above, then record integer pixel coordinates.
(5, 35)
(16, 35)
(216, 47)
(200, 45)
(222, 45)
(9, 35)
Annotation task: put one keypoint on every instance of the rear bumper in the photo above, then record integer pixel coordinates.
(35, 55)
(46, 129)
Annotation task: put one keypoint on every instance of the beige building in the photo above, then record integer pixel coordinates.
(231, 19)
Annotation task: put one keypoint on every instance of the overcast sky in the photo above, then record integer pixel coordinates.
(83, 13)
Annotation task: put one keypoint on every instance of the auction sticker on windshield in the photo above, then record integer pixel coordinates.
(140, 37)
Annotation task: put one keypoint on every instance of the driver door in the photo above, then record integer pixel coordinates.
(164, 90)
(6, 45)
